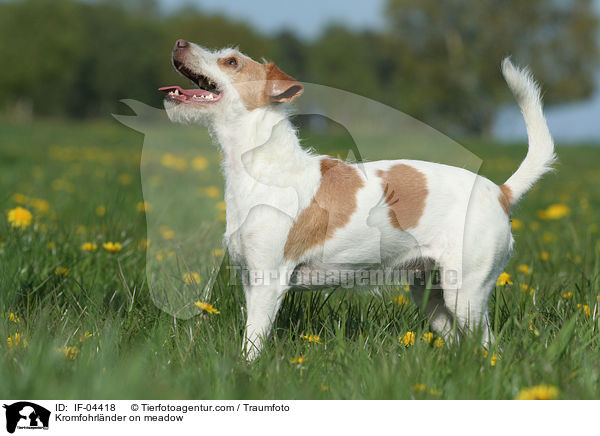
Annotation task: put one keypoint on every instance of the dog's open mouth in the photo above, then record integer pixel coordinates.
(207, 91)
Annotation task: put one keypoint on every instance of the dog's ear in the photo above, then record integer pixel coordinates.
(281, 87)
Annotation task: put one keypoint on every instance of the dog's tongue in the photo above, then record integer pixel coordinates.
(186, 92)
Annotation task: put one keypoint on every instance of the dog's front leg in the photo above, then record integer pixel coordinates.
(262, 304)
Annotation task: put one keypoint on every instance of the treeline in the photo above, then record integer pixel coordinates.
(438, 61)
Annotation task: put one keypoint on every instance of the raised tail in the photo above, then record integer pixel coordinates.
(540, 155)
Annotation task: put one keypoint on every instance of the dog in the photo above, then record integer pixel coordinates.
(426, 212)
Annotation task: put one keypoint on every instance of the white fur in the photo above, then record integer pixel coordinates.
(270, 180)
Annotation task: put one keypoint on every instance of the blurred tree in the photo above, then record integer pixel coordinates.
(448, 54)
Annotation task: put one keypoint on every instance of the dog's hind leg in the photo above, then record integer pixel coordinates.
(440, 318)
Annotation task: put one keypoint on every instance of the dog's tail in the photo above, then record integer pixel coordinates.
(540, 155)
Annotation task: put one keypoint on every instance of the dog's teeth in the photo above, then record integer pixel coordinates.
(177, 92)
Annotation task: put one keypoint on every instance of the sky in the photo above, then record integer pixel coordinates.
(573, 122)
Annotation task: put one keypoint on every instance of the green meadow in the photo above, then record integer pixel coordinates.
(85, 207)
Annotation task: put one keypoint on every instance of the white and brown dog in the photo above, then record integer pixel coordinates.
(330, 217)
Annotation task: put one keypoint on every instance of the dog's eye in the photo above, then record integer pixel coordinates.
(232, 62)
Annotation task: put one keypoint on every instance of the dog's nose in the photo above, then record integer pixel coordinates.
(181, 43)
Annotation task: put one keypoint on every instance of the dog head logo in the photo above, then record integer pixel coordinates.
(26, 415)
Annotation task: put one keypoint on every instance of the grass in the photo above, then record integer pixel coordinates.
(92, 324)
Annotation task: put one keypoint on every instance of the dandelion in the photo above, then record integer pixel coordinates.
(20, 198)
(166, 232)
(516, 224)
(171, 161)
(192, 278)
(312, 338)
(61, 271)
(298, 360)
(50, 245)
(324, 388)
(438, 343)
(15, 340)
(567, 295)
(70, 353)
(112, 247)
(101, 211)
(221, 206)
(554, 212)
(199, 163)
(40, 205)
(160, 256)
(544, 255)
(211, 192)
(524, 269)
(125, 179)
(427, 337)
(143, 243)
(207, 307)
(14, 318)
(217, 252)
(540, 392)
(400, 300)
(548, 237)
(143, 206)
(419, 387)
(86, 335)
(19, 217)
(527, 288)
(408, 339)
(586, 309)
(504, 279)
(89, 246)
(494, 359)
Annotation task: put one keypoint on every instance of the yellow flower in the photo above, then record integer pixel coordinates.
(192, 278)
(544, 255)
(298, 360)
(101, 210)
(86, 335)
(39, 204)
(554, 212)
(400, 300)
(494, 359)
(112, 247)
(16, 340)
(516, 224)
(408, 339)
(19, 217)
(586, 309)
(524, 269)
(527, 288)
(171, 161)
(199, 163)
(143, 206)
(439, 343)
(125, 179)
(71, 353)
(50, 245)
(540, 392)
(567, 295)
(221, 206)
(160, 256)
(61, 271)
(211, 192)
(89, 246)
(222, 216)
(504, 279)
(14, 318)
(312, 338)
(217, 252)
(20, 198)
(206, 307)
(166, 232)
(428, 337)
(143, 243)
(548, 237)
(419, 387)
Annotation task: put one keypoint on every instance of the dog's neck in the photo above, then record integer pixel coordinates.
(264, 137)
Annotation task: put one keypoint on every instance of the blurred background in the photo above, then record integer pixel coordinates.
(436, 61)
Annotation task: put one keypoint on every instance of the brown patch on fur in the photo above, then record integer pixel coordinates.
(331, 208)
(260, 84)
(505, 198)
(405, 191)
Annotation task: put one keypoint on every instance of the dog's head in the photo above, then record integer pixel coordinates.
(227, 83)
